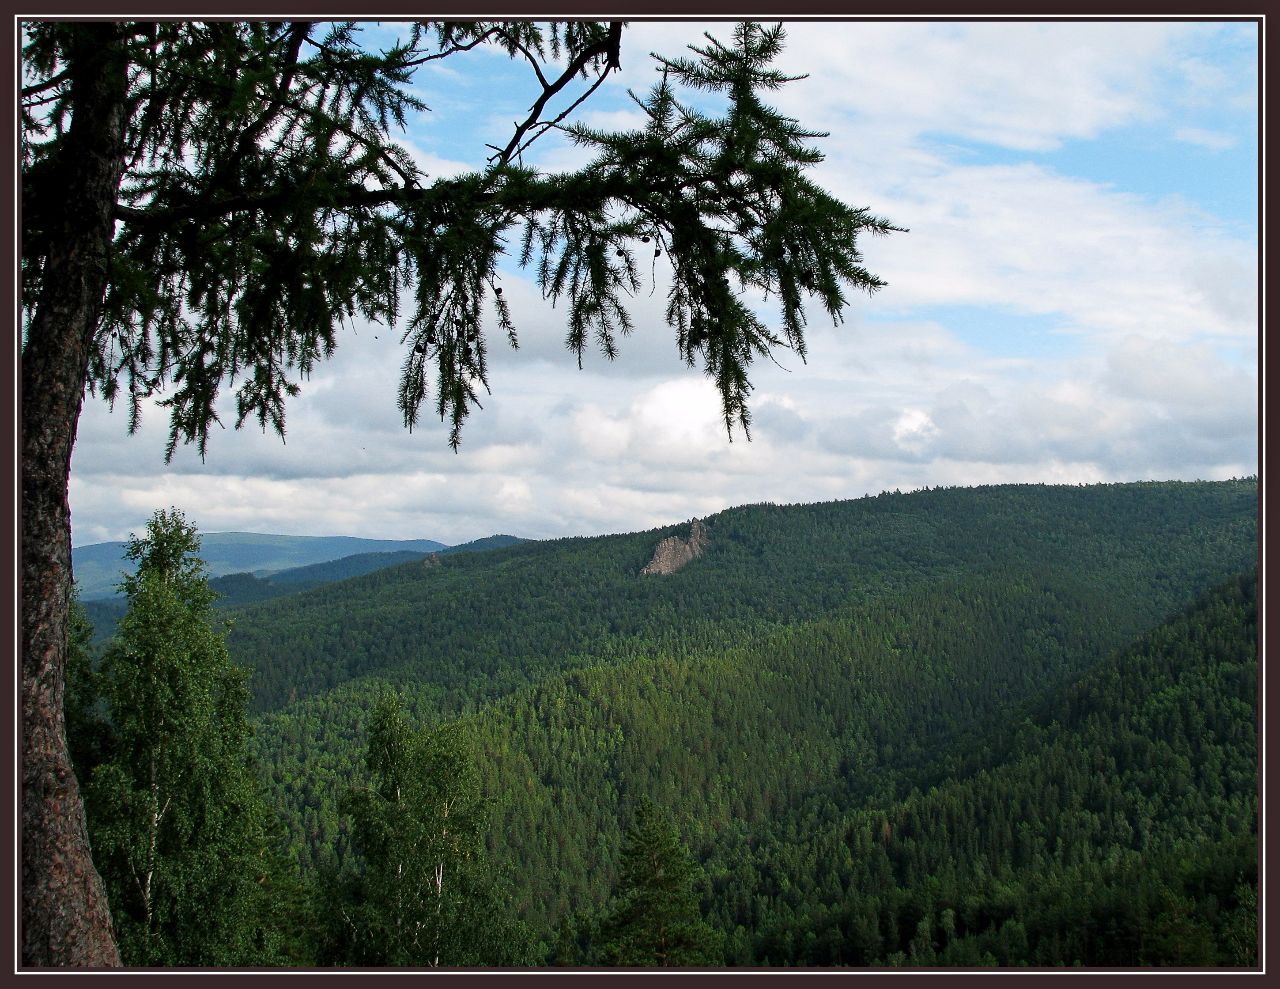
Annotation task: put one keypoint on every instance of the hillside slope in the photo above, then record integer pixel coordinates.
(477, 626)
(1111, 821)
(812, 775)
(816, 662)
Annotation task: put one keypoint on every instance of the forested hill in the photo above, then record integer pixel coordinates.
(473, 627)
(1111, 821)
(853, 804)
(938, 728)
(945, 727)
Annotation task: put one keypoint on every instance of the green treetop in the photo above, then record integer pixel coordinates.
(177, 821)
(656, 921)
(423, 895)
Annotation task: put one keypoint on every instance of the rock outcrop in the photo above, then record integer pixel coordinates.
(673, 552)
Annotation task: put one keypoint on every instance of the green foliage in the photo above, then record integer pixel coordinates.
(656, 921)
(266, 203)
(1113, 825)
(479, 626)
(88, 731)
(178, 824)
(912, 636)
(423, 887)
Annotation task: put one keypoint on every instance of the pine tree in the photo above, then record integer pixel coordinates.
(656, 921)
(176, 816)
(210, 202)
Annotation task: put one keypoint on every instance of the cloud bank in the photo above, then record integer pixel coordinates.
(1043, 321)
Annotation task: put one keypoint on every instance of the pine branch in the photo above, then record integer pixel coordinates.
(609, 47)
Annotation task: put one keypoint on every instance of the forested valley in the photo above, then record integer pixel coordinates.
(1005, 725)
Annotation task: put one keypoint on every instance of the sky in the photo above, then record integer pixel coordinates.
(1075, 301)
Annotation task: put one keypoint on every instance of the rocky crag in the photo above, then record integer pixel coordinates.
(673, 552)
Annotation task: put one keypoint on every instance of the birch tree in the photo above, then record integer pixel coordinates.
(423, 895)
(176, 815)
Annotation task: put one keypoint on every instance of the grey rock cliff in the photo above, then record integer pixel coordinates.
(673, 552)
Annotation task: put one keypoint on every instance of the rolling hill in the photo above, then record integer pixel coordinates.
(483, 624)
(822, 671)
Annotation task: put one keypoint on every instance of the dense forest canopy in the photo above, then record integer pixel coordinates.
(493, 617)
(1010, 725)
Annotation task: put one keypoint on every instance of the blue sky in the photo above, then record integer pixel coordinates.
(1075, 302)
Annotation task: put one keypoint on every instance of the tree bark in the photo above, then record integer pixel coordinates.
(65, 919)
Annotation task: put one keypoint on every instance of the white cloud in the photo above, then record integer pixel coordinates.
(1036, 242)
(1022, 86)
(614, 120)
(433, 165)
(675, 423)
(599, 434)
(1200, 137)
(1193, 377)
(914, 430)
(1158, 380)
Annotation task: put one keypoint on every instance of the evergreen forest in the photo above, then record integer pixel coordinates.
(1009, 725)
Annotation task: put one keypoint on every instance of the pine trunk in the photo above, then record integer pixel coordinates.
(65, 919)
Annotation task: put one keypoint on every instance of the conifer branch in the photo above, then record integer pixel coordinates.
(609, 47)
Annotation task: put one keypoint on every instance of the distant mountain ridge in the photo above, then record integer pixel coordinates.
(245, 588)
(98, 567)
